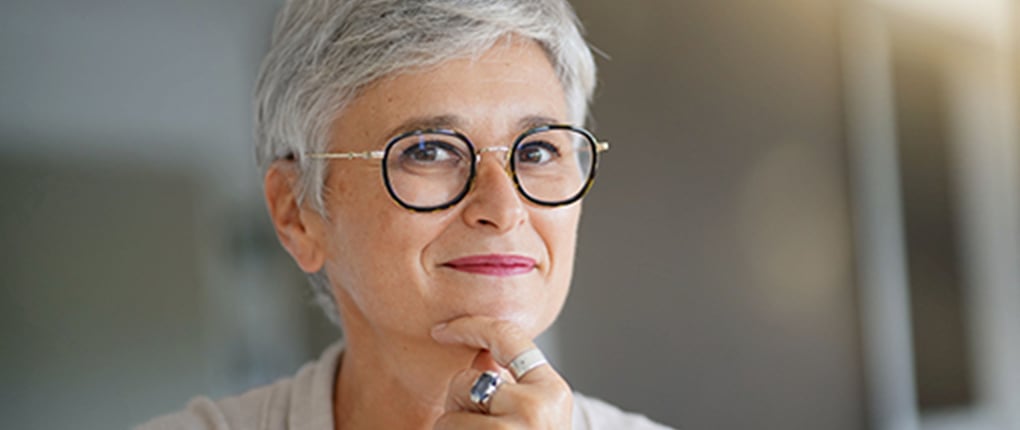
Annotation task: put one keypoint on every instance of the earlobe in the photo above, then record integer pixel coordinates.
(298, 233)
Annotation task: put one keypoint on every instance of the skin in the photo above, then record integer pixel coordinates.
(418, 333)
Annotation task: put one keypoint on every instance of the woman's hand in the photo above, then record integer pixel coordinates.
(541, 399)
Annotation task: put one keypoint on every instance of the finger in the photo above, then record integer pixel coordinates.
(501, 338)
(521, 403)
(466, 420)
(505, 340)
(484, 361)
(529, 402)
(458, 396)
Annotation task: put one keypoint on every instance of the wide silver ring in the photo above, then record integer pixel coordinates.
(483, 389)
(525, 361)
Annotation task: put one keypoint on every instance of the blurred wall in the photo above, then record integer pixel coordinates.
(713, 285)
(102, 305)
(932, 127)
(138, 266)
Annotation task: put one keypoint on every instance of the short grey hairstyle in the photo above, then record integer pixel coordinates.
(323, 52)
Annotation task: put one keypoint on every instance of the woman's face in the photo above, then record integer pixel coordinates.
(396, 272)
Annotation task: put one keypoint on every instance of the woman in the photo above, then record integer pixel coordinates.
(417, 166)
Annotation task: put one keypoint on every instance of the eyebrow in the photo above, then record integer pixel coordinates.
(455, 122)
(428, 122)
(533, 121)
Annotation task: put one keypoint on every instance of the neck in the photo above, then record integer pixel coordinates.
(386, 381)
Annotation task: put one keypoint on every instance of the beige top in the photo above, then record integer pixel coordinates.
(303, 403)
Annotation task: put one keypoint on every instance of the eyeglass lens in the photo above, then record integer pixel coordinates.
(434, 169)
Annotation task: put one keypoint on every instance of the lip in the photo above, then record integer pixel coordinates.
(493, 264)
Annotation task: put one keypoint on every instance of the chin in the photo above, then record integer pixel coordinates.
(532, 321)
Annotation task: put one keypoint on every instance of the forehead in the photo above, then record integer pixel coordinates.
(508, 88)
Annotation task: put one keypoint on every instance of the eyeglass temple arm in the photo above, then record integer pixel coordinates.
(601, 146)
(367, 155)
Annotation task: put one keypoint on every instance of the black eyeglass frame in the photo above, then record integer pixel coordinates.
(511, 163)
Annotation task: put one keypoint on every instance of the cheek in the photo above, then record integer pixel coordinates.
(558, 230)
(375, 252)
(376, 246)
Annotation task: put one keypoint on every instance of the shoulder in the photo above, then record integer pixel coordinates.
(594, 414)
(239, 412)
(301, 402)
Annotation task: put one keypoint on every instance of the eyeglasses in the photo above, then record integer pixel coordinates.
(431, 170)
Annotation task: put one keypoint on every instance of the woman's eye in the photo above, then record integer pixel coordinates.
(431, 152)
(537, 153)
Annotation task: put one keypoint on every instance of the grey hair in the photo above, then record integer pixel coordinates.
(323, 52)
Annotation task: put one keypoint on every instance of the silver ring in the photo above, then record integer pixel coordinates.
(483, 389)
(527, 360)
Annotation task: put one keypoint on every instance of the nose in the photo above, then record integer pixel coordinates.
(494, 202)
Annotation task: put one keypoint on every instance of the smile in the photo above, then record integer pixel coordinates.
(493, 264)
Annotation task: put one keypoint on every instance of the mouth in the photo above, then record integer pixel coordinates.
(493, 264)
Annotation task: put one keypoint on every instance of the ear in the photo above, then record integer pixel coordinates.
(299, 229)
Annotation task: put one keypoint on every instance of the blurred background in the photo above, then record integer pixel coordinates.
(809, 219)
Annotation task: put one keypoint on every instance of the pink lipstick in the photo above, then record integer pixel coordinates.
(493, 264)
